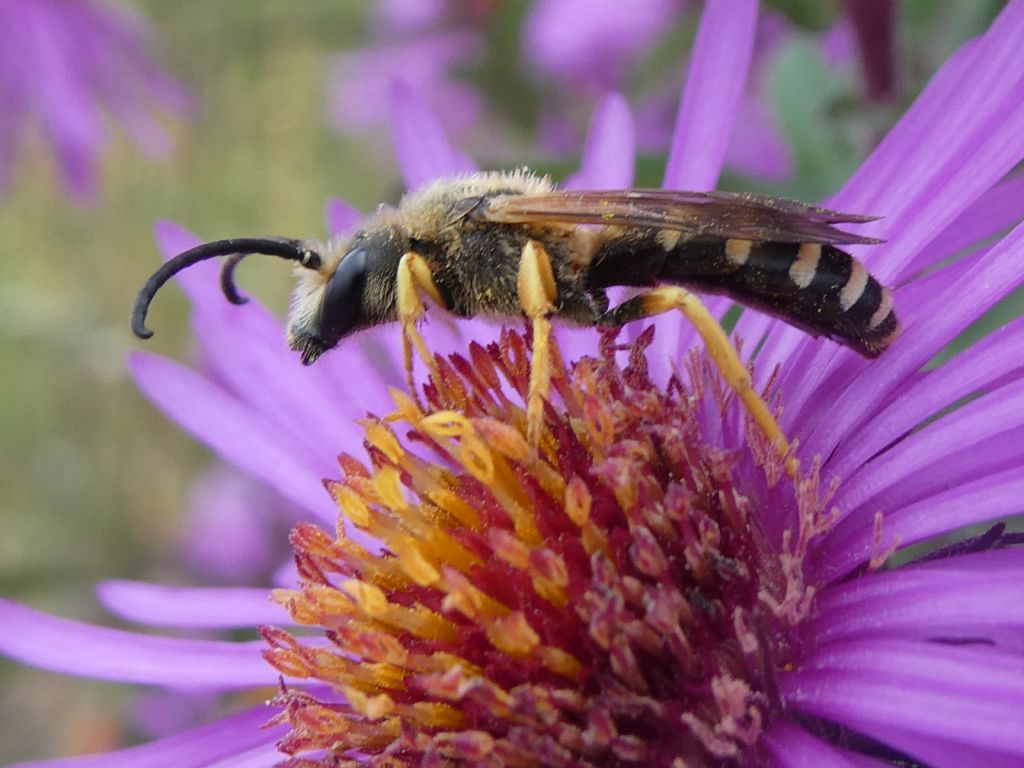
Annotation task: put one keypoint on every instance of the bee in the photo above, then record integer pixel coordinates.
(511, 245)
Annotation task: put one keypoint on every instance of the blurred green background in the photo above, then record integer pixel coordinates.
(94, 479)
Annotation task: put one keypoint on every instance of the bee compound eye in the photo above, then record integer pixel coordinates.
(343, 296)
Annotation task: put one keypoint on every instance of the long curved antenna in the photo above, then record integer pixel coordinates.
(237, 248)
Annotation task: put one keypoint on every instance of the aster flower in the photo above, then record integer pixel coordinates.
(63, 68)
(651, 588)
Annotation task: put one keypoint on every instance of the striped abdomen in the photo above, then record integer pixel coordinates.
(816, 287)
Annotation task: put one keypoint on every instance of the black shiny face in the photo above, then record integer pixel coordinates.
(340, 307)
(343, 296)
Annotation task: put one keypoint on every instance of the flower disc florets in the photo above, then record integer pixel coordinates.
(608, 599)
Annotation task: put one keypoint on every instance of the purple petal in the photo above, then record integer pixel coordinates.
(758, 147)
(941, 752)
(928, 328)
(231, 534)
(973, 370)
(969, 173)
(965, 695)
(610, 150)
(957, 140)
(243, 345)
(424, 153)
(980, 420)
(997, 209)
(716, 80)
(67, 112)
(194, 607)
(237, 737)
(838, 45)
(286, 575)
(266, 756)
(961, 503)
(589, 43)
(74, 648)
(241, 435)
(68, 65)
(959, 107)
(341, 217)
(360, 81)
(409, 15)
(157, 713)
(921, 603)
(793, 747)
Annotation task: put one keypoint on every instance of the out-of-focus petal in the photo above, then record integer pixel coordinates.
(838, 44)
(341, 216)
(715, 83)
(62, 645)
(231, 534)
(160, 605)
(66, 66)
(361, 81)
(424, 152)
(238, 433)
(591, 42)
(217, 745)
(246, 351)
(758, 148)
(609, 153)
(408, 15)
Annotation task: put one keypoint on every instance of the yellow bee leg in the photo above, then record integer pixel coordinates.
(537, 296)
(414, 280)
(666, 298)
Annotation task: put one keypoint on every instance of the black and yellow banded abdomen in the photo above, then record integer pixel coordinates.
(814, 286)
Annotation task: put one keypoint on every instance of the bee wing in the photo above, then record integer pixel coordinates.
(721, 214)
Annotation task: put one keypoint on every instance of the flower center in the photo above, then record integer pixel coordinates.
(611, 597)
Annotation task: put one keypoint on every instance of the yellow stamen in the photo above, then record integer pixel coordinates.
(512, 634)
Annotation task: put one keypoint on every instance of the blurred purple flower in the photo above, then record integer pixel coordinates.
(587, 49)
(590, 44)
(421, 59)
(422, 45)
(581, 50)
(921, 662)
(64, 67)
(233, 529)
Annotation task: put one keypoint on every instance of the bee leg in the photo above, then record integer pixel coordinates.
(537, 296)
(415, 279)
(666, 298)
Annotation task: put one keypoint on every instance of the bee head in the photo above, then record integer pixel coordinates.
(351, 291)
(324, 311)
